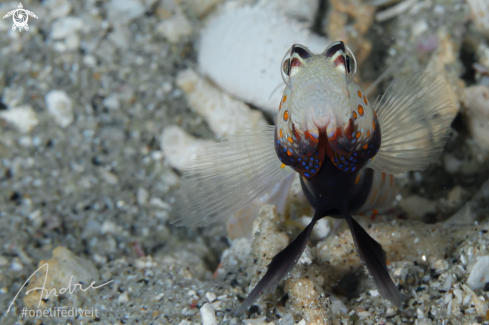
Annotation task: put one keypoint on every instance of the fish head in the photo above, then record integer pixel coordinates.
(316, 116)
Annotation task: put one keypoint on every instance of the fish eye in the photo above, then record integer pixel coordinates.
(294, 59)
(351, 65)
(285, 67)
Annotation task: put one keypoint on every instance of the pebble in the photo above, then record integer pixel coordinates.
(111, 102)
(3, 261)
(157, 202)
(142, 196)
(123, 298)
(175, 28)
(24, 118)
(210, 296)
(63, 27)
(59, 104)
(477, 111)
(208, 314)
(64, 267)
(479, 275)
(123, 11)
(107, 176)
(57, 8)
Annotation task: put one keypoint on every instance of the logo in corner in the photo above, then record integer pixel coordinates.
(20, 17)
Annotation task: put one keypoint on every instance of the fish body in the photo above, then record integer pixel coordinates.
(344, 148)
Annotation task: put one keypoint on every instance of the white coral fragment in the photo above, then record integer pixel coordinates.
(241, 49)
(224, 114)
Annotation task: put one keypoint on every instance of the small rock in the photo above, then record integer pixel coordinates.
(107, 176)
(142, 196)
(208, 314)
(24, 118)
(210, 296)
(175, 28)
(123, 11)
(57, 8)
(64, 27)
(64, 267)
(123, 298)
(157, 202)
(60, 106)
(416, 207)
(479, 275)
(111, 102)
(477, 111)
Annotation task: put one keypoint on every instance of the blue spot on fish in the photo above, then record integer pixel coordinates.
(307, 175)
(313, 171)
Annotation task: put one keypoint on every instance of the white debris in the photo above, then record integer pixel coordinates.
(142, 196)
(224, 114)
(480, 14)
(251, 73)
(57, 8)
(64, 27)
(416, 207)
(477, 111)
(210, 296)
(180, 148)
(364, 314)
(159, 203)
(111, 102)
(24, 118)
(123, 298)
(123, 11)
(479, 275)
(59, 105)
(108, 177)
(200, 7)
(208, 314)
(175, 28)
(305, 12)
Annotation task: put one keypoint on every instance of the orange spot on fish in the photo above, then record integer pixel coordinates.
(359, 94)
(365, 146)
(360, 110)
(357, 180)
(286, 115)
(358, 134)
(355, 115)
(373, 197)
(365, 100)
(280, 106)
(374, 214)
(368, 134)
(289, 152)
(285, 98)
(281, 133)
(282, 166)
(290, 139)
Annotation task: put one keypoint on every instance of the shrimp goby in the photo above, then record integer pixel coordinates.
(344, 147)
